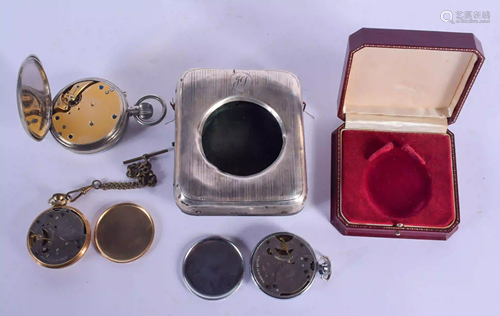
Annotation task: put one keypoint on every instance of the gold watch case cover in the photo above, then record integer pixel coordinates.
(124, 232)
(61, 235)
(86, 116)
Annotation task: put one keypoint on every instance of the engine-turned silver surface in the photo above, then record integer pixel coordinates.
(200, 188)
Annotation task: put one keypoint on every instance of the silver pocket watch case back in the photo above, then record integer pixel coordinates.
(239, 143)
(213, 268)
(87, 116)
(282, 265)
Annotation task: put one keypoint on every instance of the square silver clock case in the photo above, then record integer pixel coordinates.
(239, 143)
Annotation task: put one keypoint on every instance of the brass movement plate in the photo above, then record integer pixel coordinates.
(124, 232)
(86, 112)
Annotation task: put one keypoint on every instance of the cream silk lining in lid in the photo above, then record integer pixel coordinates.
(396, 123)
(412, 90)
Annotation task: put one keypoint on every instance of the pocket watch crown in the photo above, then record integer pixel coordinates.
(145, 110)
(58, 199)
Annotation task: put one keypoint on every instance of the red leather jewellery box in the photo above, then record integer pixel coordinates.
(393, 161)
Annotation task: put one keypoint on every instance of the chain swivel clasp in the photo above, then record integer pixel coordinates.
(81, 191)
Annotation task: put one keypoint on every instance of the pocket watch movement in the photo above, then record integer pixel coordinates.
(86, 116)
(284, 265)
(59, 236)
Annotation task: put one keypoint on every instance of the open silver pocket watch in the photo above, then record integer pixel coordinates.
(86, 116)
(283, 266)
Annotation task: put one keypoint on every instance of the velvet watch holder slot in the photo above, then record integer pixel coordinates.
(393, 161)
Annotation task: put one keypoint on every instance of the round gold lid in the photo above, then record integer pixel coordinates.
(124, 232)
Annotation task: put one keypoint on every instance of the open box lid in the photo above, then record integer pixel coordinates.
(417, 75)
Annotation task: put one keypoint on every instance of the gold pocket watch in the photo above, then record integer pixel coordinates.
(86, 116)
(60, 235)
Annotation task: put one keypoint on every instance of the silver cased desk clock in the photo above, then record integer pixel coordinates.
(239, 143)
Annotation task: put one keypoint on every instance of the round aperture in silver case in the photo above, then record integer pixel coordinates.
(213, 268)
(284, 265)
(242, 137)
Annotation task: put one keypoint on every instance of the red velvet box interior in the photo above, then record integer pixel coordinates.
(392, 177)
(393, 164)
